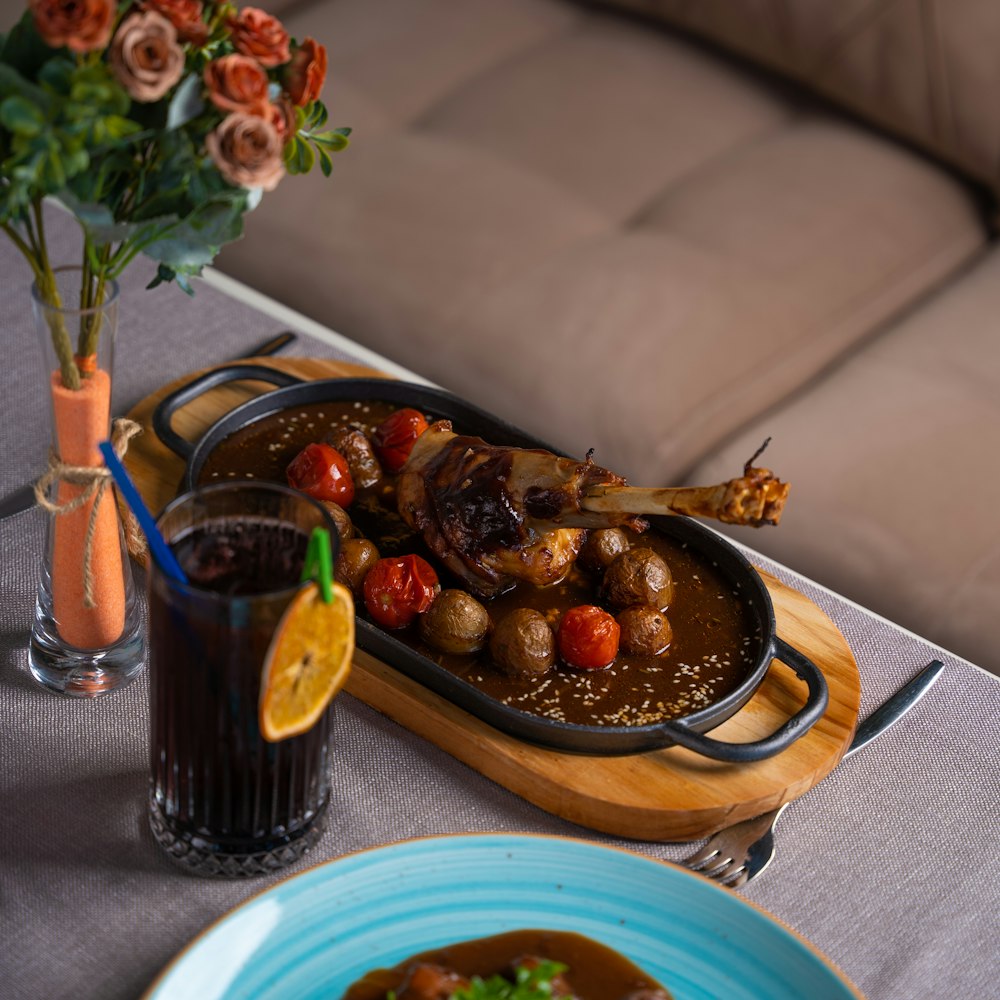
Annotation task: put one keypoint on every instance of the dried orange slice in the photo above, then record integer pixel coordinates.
(307, 663)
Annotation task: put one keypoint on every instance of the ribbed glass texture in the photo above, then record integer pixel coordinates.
(223, 800)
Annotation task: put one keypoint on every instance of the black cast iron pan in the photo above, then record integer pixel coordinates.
(568, 737)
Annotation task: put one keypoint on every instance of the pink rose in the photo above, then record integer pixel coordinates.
(256, 33)
(80, 25)
(145, 56)
(247, 151)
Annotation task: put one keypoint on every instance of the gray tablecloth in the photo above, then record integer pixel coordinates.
(888, 866)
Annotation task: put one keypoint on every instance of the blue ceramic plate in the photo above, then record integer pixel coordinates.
(311, 936)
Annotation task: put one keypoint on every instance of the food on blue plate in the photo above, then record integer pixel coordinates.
(475, 556)
(518, 965)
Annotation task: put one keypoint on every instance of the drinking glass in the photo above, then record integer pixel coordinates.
(223, 800)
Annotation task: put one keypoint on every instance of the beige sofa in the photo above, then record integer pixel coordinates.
(669, 232)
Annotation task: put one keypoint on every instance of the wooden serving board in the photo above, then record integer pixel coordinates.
(665, 795)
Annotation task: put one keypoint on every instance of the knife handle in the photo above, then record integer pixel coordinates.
(270, 346)
(891, 711)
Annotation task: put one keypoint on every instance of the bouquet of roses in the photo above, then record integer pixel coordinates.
(157, 123)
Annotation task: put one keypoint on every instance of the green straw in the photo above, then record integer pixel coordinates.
(319, 563)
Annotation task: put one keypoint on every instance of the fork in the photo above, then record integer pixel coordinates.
(741, 852)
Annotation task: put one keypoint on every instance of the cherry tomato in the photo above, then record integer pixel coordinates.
(393, 438)
(588, 637)
(322, 472)
(397, 590)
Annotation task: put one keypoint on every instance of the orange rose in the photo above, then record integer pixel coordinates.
(145, 56)
(306, 73)
(247, 151)
(80, 25)
(256, 33)
(237, 83)
(184, 15)
(281, 114)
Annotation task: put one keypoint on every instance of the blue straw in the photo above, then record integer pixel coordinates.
(161, 551)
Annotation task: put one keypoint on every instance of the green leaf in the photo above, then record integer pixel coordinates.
(172, 202)
(100, 225)
(186, 104)
(95, 91)
(21, 117)
(12, 83)
(318, 119)
(194, 242)
(333, 141)
(165, 274)
(120, 128)
(23, 49)
(220, 223)
(182, 250)
(57, 75)
(299, 156)
(325, 163)
(529, 984)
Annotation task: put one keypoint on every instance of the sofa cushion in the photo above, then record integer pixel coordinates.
(893, 464)
(603, 233)
(926, 70)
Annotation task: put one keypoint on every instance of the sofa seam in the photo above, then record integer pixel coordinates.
(419, 122)
(959, 250)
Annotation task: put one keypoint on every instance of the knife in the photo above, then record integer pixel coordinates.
(742, 851)
(24, 496)
(892, 710)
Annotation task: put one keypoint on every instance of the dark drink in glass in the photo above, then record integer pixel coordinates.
(223, 800)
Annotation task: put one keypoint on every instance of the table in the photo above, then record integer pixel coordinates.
(888, 866)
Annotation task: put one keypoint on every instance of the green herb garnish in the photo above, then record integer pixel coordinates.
(528, 984)
(535, 983)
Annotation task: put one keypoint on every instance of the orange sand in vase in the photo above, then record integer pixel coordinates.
(82, 418)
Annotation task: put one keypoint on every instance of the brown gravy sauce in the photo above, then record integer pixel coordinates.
(714, 639)
(594, 971)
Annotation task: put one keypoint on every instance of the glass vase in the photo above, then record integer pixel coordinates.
(87, 636)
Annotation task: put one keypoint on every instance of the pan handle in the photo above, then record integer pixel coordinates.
(163, 415)
(796, 726)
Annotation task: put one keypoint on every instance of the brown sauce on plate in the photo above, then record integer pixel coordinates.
(714, 640)
(594, 971)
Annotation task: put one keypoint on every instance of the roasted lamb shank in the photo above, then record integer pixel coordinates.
(496, 515)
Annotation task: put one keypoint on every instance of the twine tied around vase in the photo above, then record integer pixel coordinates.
(95, 480)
